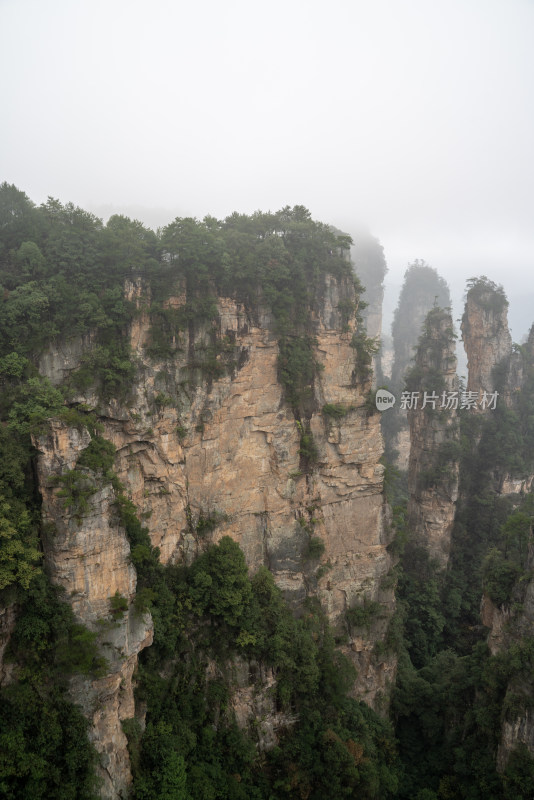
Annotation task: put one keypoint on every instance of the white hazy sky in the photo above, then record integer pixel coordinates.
(414, 117)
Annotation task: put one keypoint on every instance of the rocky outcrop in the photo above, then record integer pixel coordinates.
(8, 618)
(401, 444)
(208, 447)
(109, 700)
(253, 702)
(434, 438)
(87, 552)
(494, 365)
(370, 266)
(513, 625)
(386, 357)
(422, 290)
(516, 732)
(496, 619)
(485, 334)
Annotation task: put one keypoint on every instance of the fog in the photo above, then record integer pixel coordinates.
(412, 117)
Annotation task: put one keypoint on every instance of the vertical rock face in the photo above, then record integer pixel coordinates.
(208, 452)
(509, 627)
(372, 315)
(405, 346)
(485, 334)
(372, 318)
(422, 290)
(88, 553)
(8, 618)
(494, 366)
(434, 439)
(371, 268)
(253, 701)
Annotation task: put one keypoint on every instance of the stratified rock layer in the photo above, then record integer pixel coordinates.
(225, 447)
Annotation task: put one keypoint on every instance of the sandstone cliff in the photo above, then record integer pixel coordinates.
(495, 365)
(434, 439)
(88, 554)
(512, 626)
(207, 453)
(485, 334)
(370, 266)
(422, 289)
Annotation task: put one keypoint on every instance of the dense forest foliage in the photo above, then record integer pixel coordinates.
(452, 696)
(62, 274)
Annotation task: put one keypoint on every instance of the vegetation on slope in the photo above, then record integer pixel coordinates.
(453, 696)
(62, 274)
(212, 620)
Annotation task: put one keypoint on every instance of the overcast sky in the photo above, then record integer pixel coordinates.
(414, 117)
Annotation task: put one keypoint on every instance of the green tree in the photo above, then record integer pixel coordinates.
(19, 222)
(30, 260)
(128, 246)
(19, 555)
(220, 584)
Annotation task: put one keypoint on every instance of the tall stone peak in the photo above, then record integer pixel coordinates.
(434, 438)
(485, 333)
(423, 288)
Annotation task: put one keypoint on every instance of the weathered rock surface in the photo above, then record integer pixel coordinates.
(221, 444)
(401, 444)
(61, 358)
(370, 266)
(253, 702)
(434, 436)
(89, 555)
(494, 366)
(486, 337)
(508, 626)
(8, 617)
(109, 700)
(495, 619)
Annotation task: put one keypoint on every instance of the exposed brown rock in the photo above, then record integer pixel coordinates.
(8, 618)
(191, 445)
(253, 701)
(432, 476)
(89, 555)
(505, 629)
(486, 337)
(509, 625)
(495, 619)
